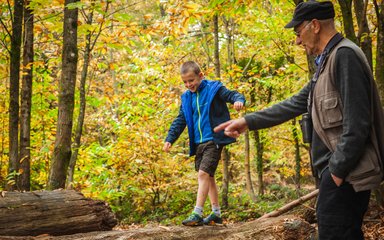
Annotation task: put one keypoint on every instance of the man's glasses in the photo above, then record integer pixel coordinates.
(298, 33)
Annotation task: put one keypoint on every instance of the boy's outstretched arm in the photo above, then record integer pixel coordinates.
(233, 128)
(237, 99)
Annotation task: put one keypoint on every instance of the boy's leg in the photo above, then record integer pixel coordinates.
(207, 158)
(215, 217)
(214, 196)
(203, 189)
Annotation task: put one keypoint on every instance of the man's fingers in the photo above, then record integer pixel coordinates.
(234, 134)
(222, 126)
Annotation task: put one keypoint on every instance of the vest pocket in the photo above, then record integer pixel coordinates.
(331, 115)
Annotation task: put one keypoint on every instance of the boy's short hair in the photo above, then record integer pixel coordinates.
(190, 66)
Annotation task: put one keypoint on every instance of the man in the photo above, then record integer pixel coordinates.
(345, 122)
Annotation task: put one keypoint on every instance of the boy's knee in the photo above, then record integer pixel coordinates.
(203, 175)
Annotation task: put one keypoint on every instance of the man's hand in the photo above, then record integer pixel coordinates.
(338, 181)
(233, 128)
(167, 146)
(238, 106)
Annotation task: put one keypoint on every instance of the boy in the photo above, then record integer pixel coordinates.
(203, 107)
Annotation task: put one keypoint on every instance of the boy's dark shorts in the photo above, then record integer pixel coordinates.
(207, 157)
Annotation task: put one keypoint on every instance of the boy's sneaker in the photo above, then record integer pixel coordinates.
(212, 220)
(193, 220)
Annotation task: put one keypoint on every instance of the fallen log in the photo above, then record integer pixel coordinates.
(287, 227)
(291, 205)
(58, 212)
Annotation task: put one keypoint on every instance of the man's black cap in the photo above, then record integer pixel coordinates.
(311, 10)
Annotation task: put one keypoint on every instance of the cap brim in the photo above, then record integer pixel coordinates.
(293, 24)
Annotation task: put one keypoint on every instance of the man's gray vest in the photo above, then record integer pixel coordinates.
(327, 116)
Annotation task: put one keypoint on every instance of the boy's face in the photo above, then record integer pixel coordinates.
(192, 81)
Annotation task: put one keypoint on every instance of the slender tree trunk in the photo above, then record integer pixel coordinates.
(26, 101)
(346, 11)
(225, 154)
(216, 46)
(259, 160)
(297, 155)
(224, 193)
(14, 82)
(364, 34)
(81, 115)
(247, 168)
(62, 151)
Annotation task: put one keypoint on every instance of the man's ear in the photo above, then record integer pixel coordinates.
(316, 26)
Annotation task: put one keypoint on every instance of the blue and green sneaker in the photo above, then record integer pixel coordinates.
(193, 220)
(212, 220)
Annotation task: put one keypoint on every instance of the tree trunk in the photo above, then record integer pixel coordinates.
(14, 84)
(62, 150)
(259, 160)
(364, 35)
(346, 11)
(225, 154)
(59, 212)
(26, 101)
(286, 227)
(81, 115)
(225, 189)
(216, 47)
(247, 168)
(297, 155)
(379, 71)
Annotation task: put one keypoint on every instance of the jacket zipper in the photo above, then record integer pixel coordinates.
(199, 121)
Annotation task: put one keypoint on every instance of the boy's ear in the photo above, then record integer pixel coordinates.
(201, 75)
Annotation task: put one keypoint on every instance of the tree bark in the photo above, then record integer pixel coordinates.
(364, 34)
(286, 227)
(216, 46)
(247, 168)
(62, 150)
(346, 11)
(14, 84)
(225, 188)
(259, 160)
(80, 120)
(26, 101)
(59, 212)
(297, 155)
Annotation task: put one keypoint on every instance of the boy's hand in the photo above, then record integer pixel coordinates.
(233, 128)
(238, 106)
(167, 146)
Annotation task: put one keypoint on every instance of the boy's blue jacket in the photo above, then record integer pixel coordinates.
(218, 96)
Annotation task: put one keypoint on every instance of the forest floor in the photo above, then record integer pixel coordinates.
(296, 225)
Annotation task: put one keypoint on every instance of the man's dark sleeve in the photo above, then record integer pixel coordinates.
(354, 87)
(280, 112)
(177, 127)
(230, 96)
